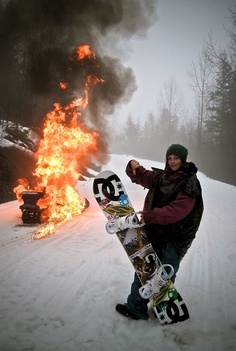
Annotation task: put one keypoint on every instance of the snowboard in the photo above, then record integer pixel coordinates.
(114, 202)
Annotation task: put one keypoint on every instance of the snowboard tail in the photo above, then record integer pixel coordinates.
(114, 202)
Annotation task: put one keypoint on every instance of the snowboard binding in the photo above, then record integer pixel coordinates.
(117, 224)
(159, 279)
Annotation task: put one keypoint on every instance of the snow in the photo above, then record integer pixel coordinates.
(6, 143)
(59, 293)
(8, 139)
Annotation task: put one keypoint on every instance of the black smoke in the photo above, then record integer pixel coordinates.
(38, 39)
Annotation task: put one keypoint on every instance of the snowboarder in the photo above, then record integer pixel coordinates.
(172, 214)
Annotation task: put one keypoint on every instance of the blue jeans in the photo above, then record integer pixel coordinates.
(135, 303)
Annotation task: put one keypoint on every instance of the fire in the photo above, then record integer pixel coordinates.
(59, 154)
(65, 141)
(23, 185)
(63, 85)
(83, 51)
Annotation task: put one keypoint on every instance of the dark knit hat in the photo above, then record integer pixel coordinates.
(177, 150)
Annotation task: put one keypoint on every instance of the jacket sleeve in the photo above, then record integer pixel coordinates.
(175, 211)
(143, 176)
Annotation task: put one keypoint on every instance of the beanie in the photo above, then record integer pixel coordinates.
(177, 150)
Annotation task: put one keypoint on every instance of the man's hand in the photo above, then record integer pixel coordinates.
(134, 165)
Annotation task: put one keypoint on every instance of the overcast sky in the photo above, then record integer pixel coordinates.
(170, 46)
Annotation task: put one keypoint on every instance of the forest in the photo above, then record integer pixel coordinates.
(38, 38)
(209, 130)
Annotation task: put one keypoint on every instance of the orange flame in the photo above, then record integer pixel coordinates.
(83, 51)
(63, 85)
(23, 185)
(63, 145)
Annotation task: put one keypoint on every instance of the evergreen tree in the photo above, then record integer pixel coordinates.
(132, 136)
(150, 141)
(222, 122)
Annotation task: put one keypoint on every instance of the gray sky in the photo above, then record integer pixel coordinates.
(171, 44)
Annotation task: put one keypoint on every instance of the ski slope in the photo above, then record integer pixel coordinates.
(59, 293)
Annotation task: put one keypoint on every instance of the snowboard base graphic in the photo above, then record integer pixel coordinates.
(113, 200)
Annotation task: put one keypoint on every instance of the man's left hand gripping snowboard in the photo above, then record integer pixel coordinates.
(113, 200)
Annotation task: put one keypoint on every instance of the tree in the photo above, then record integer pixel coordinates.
(150, 138)
(200, 74)
(232, 35)
(171, 106)
(131, 136)
(222, 122)
(30, 60)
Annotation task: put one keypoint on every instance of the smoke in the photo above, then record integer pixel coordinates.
(52, 30)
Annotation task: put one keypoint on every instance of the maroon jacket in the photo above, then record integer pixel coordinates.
(173, 206)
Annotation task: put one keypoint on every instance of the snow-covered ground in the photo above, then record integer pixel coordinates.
(59, 293)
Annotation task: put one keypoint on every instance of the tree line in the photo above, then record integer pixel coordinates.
(209, 132)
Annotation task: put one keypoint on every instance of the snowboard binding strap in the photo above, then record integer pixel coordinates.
(159, 279)
(117, 224)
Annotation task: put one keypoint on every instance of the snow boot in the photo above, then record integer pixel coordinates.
(122, 309)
